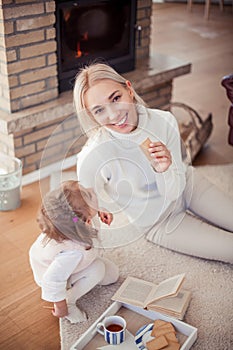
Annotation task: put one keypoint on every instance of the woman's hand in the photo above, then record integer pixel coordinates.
(105, 217)
(161, 156)
(60, 309)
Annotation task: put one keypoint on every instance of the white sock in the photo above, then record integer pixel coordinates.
(75, 314)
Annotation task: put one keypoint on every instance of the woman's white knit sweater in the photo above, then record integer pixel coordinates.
(114, 165)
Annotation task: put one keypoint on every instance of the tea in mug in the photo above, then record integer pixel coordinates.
(114, 328)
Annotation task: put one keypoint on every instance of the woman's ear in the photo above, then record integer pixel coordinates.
(128, 83)
(129, 86)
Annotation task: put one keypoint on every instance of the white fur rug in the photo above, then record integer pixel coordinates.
(211, 283)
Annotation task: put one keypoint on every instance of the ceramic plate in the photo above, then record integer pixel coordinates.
(143, 335)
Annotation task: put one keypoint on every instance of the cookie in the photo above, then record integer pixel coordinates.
(144, 147)
(165, 336)
(172, 346)
(164, 329)
(171, 336)
(158, 323)
(157, 343)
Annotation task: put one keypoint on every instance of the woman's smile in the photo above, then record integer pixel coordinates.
(122, 122)
(111, 105)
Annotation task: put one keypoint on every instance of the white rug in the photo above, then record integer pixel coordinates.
(211, 283)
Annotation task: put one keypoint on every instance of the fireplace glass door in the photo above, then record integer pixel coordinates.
(88, 31)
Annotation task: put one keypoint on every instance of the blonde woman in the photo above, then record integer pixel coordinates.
(163, 197)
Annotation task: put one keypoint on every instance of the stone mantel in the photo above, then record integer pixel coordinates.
(157, 70)
(148, 74)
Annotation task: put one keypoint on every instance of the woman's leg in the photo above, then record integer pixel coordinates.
(195, 237)
(207, 201)
(189, 234)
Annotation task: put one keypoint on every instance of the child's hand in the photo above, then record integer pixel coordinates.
(60, 309)
(105, 217)
(161, 156)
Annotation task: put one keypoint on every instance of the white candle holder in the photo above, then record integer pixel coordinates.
(10, 182)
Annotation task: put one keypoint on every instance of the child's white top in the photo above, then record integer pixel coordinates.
(52, 265)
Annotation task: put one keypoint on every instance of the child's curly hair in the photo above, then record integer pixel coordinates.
(63, 214)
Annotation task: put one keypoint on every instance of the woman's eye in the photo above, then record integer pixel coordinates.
(116, 98)
(98, 111)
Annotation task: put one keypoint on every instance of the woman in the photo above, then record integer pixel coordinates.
(156, 192)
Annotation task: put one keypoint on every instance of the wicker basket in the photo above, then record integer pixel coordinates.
(193, 129)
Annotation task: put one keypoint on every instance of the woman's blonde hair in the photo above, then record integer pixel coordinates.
(85, 79)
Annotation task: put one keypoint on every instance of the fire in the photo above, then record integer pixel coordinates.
(79, 53)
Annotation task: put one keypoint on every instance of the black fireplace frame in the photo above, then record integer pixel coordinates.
(121, 64)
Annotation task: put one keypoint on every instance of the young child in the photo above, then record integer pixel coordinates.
(162, 196)
(65, 265)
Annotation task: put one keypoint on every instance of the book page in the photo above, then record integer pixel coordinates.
(166, 288)
(134, 291)
(174, 303)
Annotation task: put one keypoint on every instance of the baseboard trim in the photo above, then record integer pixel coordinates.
(46, 171)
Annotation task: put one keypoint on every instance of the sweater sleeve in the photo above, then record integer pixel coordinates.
(55, 279)
(93, 171)
(171, 183)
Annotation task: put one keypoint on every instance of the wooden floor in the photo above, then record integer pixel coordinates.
(208, 45)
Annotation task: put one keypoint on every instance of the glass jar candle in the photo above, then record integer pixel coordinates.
(10, 182)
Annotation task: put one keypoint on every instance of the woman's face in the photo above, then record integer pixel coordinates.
(111, 104)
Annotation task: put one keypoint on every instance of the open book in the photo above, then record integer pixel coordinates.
(166, 297)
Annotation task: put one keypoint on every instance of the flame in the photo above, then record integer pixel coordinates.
(66, 15)
(79, 53)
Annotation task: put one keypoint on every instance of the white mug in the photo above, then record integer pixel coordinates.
(113, 329)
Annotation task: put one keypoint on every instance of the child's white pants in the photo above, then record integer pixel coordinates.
(102, 271)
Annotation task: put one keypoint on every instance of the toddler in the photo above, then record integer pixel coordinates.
(64, 262)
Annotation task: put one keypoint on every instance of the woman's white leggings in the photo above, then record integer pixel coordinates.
(201, 222)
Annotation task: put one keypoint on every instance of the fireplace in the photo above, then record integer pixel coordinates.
(31, 105)
(89, 30)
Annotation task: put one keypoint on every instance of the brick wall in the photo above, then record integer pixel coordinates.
(158, 97)
(144, 10)
(28, 78)
(28, 71)
(48, 143)
(37, 124)
(28, 60)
